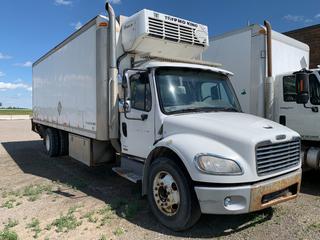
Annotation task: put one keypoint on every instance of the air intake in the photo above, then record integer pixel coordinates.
(277, 157)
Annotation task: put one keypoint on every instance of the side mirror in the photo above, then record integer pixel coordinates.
(124, 106)
(124, 81)
(302, 87)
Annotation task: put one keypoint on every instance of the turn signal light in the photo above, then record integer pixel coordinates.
(103, 24)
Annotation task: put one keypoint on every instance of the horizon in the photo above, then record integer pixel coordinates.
(46, 23)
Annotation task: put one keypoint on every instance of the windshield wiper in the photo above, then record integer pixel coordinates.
(228, 109)
(187, 110)
(205, 109)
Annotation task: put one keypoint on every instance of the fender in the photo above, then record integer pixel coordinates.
(186, 147)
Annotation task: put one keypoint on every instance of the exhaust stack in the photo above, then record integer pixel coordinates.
(113, 114)
(268, 84)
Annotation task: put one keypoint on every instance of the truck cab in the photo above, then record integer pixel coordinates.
(173, 120)
(302, 117)
(186, 116)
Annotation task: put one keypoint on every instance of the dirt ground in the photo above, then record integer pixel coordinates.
(58, 198)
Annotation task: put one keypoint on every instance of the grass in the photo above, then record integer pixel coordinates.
(67, 222)
(12, 193)
(11, 223)
(16, 112)
(131, 209)
(7, 234)
(315, 226)
(90, 216)
(103, 237)
(127, 209)
(33, 192)
(119, 231)
(35, 227)
(107, 213)
(8, 204)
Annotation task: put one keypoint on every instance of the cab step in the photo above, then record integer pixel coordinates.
(130, 175)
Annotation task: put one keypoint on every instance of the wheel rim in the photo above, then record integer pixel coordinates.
(47, 139)
(166, 193)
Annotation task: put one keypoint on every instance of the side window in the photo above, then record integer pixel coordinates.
(140, 92)
(314, 89)
(289, 89)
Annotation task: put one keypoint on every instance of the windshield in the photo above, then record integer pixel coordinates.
(194, 90)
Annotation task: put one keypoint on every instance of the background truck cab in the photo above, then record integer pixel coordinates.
(265, 76)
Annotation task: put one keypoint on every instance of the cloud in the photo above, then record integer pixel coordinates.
(76, 25)
(12, 86)
(19, 80)
(297, 18)
(115, 1)
(317, 16)
(3, 56)
(25, 64)
(294, 18)
(2, 74)
(308, 20)
(62, 2)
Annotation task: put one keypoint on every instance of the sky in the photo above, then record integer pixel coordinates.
(30, 28)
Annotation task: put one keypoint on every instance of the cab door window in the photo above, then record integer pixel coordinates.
(289, 89)
(140, 92)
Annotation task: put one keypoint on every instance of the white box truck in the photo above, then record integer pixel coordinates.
(269, 89)
(133, 88)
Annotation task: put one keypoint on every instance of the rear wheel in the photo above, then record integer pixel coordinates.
(64, 143)
(51, 142)
(171, 196)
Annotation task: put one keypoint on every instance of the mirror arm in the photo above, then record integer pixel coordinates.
(314, 109)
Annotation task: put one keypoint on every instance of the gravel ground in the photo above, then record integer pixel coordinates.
(58, 198)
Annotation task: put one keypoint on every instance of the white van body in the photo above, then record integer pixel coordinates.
(244, 53)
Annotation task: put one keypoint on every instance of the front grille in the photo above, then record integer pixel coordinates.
(173, 32)
(276, 157)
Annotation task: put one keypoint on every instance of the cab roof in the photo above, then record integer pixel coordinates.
(155, 64)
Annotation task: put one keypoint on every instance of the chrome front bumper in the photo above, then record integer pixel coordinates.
(249, 198)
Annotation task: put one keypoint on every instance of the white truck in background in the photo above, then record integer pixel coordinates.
(268, 89)
(133, 88)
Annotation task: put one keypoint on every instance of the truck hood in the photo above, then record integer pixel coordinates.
(226, 134)
(236, 130)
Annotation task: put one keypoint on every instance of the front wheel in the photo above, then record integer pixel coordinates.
(171, 196)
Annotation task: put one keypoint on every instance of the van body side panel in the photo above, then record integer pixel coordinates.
(234, 53)
(70, 85)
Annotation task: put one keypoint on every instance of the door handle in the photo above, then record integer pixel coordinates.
(124, 129)
(144, 117)
(315, 109)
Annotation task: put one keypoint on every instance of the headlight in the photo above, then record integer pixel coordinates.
(217, 165)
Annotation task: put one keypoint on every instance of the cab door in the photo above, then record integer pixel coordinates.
(137, 124)
(303, 119)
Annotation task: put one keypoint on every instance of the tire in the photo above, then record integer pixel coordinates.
(179, 216)
(51, 142)
(64, 143)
